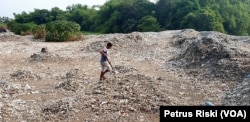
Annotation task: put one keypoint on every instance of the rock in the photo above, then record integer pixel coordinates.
(123, 101)
(104, 102)
(2, 30)
(27, 88)
(44, 50)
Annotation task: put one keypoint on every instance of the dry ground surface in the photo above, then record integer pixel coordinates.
(178, 67)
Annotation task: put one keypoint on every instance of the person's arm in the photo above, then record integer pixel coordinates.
(101, 51)
(104, 54)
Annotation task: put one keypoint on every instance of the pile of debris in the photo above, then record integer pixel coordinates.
(62, 109)
(123, 69)
(11, 90)
(211, 56)
(9, 36)
(72, 81)
(122, 96)
(24, 75)
(239, 96)
(45, 56)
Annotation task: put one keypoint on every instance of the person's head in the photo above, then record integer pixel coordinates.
(109, 45)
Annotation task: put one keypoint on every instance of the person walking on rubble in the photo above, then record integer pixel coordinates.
(104, 61)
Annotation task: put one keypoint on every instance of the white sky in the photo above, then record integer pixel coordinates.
(8, 7)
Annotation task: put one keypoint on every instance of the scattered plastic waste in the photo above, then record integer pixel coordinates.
(207, 103)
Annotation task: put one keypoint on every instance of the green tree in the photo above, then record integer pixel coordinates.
(57, 14)
(235, 16)
(203, 20)
(82, 15)
(122, 16)
(40, 16)
(148, 23)
(163, 12)
(24, 17)
(180, 10)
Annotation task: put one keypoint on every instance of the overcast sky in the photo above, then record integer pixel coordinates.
(8, 7)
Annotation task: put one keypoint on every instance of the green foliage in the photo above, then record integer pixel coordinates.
(3, 25)
(163, 11)
(82, 15)
(57, 14)
(40, 16)
(23, 17)
(39, 32)
(21, 29)
(62, 31)
(205, 15)
(148, 23)
(10, 24)
(180, 9)
(129, 25)
(124, 16)
(109, 25)
(203, 20)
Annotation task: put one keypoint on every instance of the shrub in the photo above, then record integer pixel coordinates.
(22, 29)
(39, 32)
(62, 31)
(23, 33)
(3, 25)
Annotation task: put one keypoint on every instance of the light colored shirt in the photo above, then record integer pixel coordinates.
(104, 58)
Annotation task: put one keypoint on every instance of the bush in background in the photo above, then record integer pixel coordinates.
(3, 25)
(39, 32)
(60, 31)
(21, 29)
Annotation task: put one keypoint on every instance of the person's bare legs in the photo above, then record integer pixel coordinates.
(102, 74)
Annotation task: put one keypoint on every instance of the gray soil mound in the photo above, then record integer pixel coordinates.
(72, 80)
(122, 96)
(45, 57)
(239, 95)
(24, 75)
(8, 36)
(211, 56)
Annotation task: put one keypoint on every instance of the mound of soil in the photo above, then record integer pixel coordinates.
(239, 95)
(210, 56)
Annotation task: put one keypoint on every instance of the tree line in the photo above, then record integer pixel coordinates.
(124, 16)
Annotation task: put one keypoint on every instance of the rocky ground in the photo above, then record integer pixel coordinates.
(178, 67)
